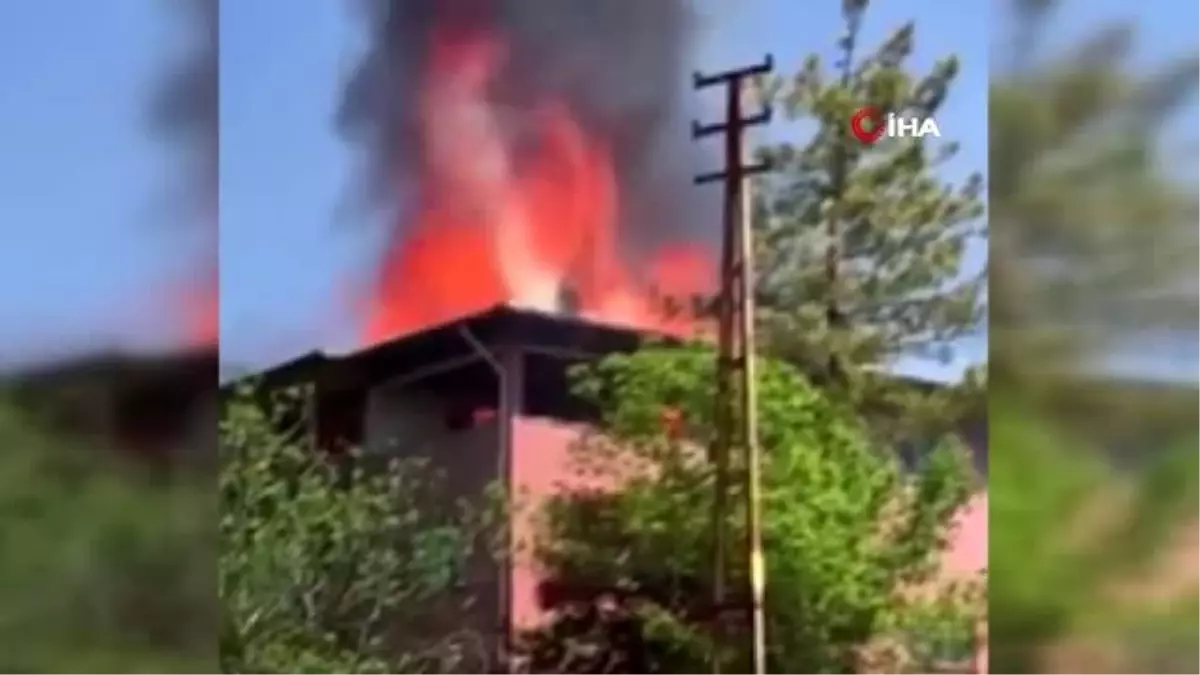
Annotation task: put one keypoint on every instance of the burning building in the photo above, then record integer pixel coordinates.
(537, 217)
(486, 399)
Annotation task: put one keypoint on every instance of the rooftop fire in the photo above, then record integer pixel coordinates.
(510, 141)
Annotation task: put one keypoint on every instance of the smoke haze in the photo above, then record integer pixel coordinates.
(617, 64)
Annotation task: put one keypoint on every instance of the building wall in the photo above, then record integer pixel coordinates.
(407, 423)
(401, 423)
(542, 466)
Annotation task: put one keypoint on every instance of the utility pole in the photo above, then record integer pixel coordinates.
(735, 348)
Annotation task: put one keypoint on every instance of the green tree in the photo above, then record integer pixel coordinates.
(1062, 518)
(861, 246)
(1095, 241)
(103, 566)
(331, 566)
(847, 530)
(1094, 247)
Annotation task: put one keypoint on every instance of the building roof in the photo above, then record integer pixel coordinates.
(193, 364)
(496, 327)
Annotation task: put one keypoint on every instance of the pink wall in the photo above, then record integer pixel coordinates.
(967, 556)
(968, 552)
(541, 467)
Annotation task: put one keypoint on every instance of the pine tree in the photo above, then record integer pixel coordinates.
(1095, 240)
(862, 246)
(1094, 246)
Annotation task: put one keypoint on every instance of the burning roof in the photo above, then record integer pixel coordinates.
(515, 145)
(499, 325)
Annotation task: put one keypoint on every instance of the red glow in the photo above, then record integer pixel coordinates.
(493, 227)
(202, 313)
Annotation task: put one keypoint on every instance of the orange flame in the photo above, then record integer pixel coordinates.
(496, 227)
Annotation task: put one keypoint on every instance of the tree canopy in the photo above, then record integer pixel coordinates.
(848, 531)
(862, 246)
(336, 565)
(103, 566)
(1093, 248)
(1093, 240)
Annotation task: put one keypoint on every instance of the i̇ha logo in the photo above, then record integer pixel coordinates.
(870, 124)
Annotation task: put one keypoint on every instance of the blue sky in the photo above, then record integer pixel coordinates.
(83, 234)
(90, 246)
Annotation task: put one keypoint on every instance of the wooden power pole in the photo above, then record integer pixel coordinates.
(735, 366)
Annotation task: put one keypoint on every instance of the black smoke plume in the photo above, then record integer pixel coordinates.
(619, 65)
(185, 108)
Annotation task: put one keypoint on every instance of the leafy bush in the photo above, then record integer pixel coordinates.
(336, 564)
(849, 536)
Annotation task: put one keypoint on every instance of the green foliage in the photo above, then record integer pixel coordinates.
(861, 247)
(333, 566)
(1035, 491)
(1165, 640)
(846, 530)
(1045, 489)
(943, 629)
(1093, 246)
(103, 567)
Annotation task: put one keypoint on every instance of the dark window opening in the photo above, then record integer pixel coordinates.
(463, 414)
(467, 397)
(548, 389)
(152, 422)
(340, 419)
